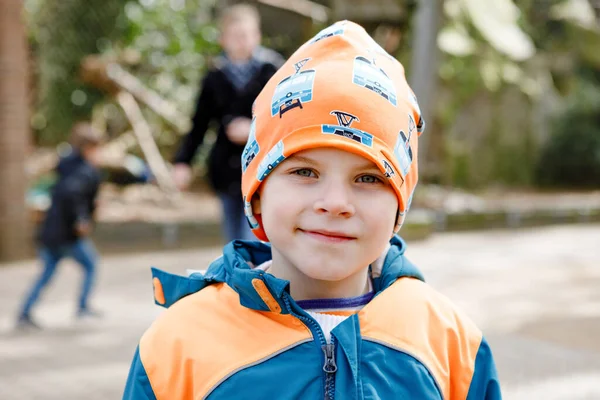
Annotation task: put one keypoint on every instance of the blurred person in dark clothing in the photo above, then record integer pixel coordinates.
(228, 92)
(68, 223)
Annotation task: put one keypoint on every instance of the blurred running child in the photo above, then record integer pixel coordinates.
(66, 228)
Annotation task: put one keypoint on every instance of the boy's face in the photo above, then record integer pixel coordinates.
(328, 213)
(239, 39)
(92, 154)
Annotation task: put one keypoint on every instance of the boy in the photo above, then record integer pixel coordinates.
(228, 91)
(331, 308)
(68, 223)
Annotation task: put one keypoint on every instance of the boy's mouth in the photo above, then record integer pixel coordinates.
(329, 236)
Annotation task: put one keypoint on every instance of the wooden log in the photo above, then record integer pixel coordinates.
(148, 97)
(112, 78)
(143, 133)
(93, 72)
(368, 11)
(309, 9)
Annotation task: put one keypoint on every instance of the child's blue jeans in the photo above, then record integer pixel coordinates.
(234, 224)
(83, 252)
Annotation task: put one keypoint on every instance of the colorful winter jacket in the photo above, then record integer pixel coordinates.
(236, 333)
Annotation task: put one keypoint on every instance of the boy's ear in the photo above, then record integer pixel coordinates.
(255, 202)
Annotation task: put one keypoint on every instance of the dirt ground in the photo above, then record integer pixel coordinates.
(534, 292)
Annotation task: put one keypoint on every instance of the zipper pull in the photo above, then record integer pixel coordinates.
(329, 365)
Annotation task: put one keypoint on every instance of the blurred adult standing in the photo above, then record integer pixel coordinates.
(228, 91)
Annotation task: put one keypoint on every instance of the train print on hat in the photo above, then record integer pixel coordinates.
(367, 74)
(293, 91)
(252, 148)
(343, 129)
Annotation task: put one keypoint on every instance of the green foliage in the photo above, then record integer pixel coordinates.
(514, 164)
(460, 172)
(571, 158)
(64, 32)
(172, 42)
(165, 43)
(537, 20)
(565, 54)
(461, 76)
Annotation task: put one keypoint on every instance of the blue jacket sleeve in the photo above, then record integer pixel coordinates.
(484, 384)
(138, 384)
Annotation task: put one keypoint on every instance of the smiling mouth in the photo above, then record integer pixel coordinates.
(328, 236)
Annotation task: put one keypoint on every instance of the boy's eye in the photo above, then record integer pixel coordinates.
(369, 179)
(304, 172)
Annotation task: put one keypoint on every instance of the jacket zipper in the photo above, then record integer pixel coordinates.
(329, 365)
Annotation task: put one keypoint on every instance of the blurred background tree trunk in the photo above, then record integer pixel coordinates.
(424, 69)
(14, 132)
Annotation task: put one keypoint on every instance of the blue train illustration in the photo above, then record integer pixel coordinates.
(410, 199)
(273, 158)
(412, 98)
(350, 133)
(370, 76)
(389, 170)
(403, 152)
(412, 127)
(408, 204)
(252, 221)
(333, 30)
(343, 129)
(294, 90)
(251, 149)
(421, 125)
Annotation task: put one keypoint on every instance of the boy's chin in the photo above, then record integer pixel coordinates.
(328, 273)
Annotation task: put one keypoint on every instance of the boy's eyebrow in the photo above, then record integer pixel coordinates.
(366, 165)
(302, 159)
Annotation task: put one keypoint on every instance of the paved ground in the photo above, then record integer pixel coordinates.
(536, 294)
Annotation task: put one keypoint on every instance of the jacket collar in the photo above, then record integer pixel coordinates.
(259, 290)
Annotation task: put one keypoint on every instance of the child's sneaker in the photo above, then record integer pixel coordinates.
(88, 313)
(25, 323)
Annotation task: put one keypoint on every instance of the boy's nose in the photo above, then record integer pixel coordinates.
(335, 200)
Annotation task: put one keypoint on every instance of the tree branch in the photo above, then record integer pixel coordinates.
(306, 8)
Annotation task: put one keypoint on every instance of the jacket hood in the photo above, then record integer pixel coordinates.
(233, 268)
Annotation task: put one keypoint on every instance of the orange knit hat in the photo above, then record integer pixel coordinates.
(340, 89)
